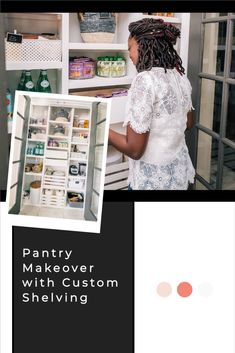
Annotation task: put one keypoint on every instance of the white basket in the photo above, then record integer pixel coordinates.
(53, 201)
(33, 50)
(54, 182)
(56, 154)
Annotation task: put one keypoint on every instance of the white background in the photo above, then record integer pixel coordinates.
(176, 242)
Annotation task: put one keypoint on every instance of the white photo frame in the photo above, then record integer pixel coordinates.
(84, 220)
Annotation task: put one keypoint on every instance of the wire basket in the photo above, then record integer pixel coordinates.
(33, 50)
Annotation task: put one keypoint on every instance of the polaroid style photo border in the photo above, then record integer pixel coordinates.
(58, 223)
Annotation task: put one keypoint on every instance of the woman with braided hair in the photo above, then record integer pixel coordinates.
(158, 111)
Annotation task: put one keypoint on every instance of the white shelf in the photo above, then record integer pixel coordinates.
(59, 122)
(99, 46)
(33, 156)
(78, 159)
(76, 190)
(53, 187)
(27, 202)
(33, 174)
(58, 137)
(79, 143)
(76, 177)
(164, 18)
(75, 208)
(36, 140)
(31, 65)
(38, 125)
(80, 128)
(57, 148)
(100, 82)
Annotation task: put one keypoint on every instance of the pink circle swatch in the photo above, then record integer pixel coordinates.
(164, 289)
(184, 289)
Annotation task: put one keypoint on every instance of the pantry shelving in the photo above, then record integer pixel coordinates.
(66, 27)
(61, 170)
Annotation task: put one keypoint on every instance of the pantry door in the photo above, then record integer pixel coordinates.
(93, 200)
(215, 146)
(3, 121)
(18, 156)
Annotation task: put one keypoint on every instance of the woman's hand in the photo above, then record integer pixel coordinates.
(132, 144)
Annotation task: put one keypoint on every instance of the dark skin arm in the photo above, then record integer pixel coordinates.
(132, 144)
(190, 120)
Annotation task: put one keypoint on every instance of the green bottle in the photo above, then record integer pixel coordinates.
(28, 82)
(43, 84)
(41, 149)
(38, 81)
(21, 82)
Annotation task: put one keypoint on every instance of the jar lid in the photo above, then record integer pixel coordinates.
(35, 184)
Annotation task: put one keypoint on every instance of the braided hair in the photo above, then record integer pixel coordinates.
(156, 40)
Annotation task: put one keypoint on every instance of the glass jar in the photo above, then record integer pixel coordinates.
(110, 66)
(121, 66)
(105, 66)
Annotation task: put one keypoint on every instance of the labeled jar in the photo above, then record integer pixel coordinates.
(104, 67)
(120, 67)
(110, 66)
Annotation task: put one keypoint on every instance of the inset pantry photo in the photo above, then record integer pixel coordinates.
(58, 156)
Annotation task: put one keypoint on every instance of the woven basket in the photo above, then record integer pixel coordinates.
(97, 27)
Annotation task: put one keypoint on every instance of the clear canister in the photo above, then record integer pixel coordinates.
(121, 66)
(105, 66)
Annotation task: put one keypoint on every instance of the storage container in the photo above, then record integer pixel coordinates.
(56, 154)
(81, 68)
(97, 27)
(51, 198)
(35, 189)
(33, 50)
(75, 199)
(110, 66)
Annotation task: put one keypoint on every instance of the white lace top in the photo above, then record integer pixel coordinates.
(158, 102)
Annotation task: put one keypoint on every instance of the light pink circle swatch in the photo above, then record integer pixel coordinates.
(164, 289)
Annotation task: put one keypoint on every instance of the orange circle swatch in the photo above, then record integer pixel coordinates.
(184, 289)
